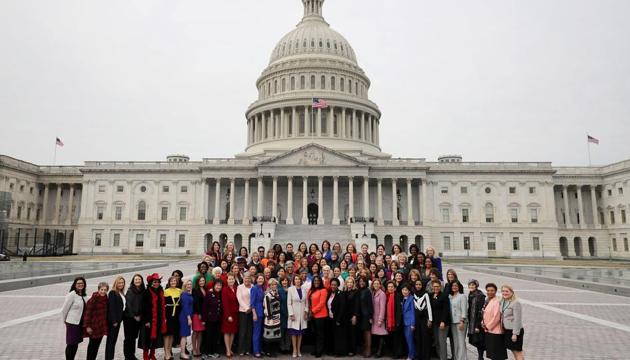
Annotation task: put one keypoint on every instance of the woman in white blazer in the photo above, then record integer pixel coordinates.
(297, 307)
(72, 315)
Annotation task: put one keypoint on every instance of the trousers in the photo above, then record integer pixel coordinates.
(257, 335)
(244, 332)
(411, 347)
(459, 342)
(92, 350)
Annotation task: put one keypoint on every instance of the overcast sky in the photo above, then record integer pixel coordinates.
(496, 80)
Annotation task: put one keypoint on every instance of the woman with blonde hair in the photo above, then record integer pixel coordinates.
(115, 310)
(186, 317)
(512, 319)
(435, 259)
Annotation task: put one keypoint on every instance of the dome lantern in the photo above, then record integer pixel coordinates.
(313, 9)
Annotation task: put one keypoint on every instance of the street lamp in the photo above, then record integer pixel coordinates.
(365, 237)
(261, 235)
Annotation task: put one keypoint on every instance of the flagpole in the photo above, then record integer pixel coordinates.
(588, 146)
(55, 153)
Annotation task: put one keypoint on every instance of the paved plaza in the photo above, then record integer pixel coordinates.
(560, 322)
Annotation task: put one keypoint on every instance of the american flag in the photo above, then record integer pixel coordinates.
(319, 103)
(591, 139)
(59, 142)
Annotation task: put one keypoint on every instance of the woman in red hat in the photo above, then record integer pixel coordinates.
(153, 318)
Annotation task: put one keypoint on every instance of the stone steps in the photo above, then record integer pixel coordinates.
(311, 234)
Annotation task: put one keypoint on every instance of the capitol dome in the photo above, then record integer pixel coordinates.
(311, 62)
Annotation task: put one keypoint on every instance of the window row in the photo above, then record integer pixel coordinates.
(512, 190)
(292, 46)
(139, 240)
(141, 213)
(491, 243)
(489, 214)
(625, 243)
(121, 188)
(303, 82)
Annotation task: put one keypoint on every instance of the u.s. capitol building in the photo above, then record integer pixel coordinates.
(312, 174)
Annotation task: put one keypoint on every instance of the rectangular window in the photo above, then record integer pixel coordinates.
(120, 188)
(625, 244)
(116, 241)
(28, 213)
(447, 243)
(612, 217)
(512, 190)
(463, 190)
(101, 188)
(609, 192)
(466, 242)
(21, 188)
(533, 215)
(536, 243)
(444, 190)
(98, 240)
(620, 191)
(492, 243)
(184, 189)
(182, 213)
(99, 213)
(162, 240)
(19, 212)
(118, 215)
(623, 216)
(514, 215)
(465, 216)
(31, 190)
(182, 240)
(38, 214)
(164, 213)
(165, 188)
(516, 243)
(446, 216)
(532, 190)
(139, 240)
(614, 241)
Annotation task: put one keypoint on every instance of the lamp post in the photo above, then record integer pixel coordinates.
(364, 237)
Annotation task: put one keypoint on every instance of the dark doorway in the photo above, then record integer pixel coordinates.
(564, 247)
(312, 212)
(592, 246)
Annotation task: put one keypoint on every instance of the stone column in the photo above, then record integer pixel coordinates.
(45, 204)
(343, 123)
(410, 220)
(424, 217)
(395, 221)
(362, 126)
(274, 197)
(294, 127)
(204, 201)
(246, 202)
(350, 198)
(307, 121)
(290, 200)
(70, 201)
(377, 138)
(594, 206)
(283, 124)
(420, 214)
(335, 218)
(217, 201)
(567, 212)
(320, 200)
(318, 123)
(379, 201)
(57, 204)
(259, 205)
(580, 206)
(304, 200)
(232, 204)
(366, 197)
(354, 125)
(331, 122)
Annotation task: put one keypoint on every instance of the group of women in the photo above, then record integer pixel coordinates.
(342, 303)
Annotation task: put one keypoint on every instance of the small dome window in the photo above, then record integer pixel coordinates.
(335, 45)
(313, 43)
(321, 44)
(328, 44)
(304, 44)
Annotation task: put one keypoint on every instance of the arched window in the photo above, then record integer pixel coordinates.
(356, 88)
(328, 44)
(302, 82)
(269, 88)
(342, 85)
(275, 86)
(313, 43)
(292, 82)
(489, 213)
(284, 84)
(312, 81)
(332, 83)
(350, 86)
(323, 82)
(142, 210)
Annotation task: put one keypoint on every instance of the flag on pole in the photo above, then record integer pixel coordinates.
(591, 139)
(319, 103)
(58, 142)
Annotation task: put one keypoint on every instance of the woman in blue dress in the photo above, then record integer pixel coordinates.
(185, 317)
(257, 295)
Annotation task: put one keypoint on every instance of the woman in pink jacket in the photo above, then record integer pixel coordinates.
(379, 299)
(495, 346)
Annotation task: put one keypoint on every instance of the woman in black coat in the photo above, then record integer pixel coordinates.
(351, 315)
(424, 323)
(336, 325)
(476, 300)
(441, 318)
(115, 311)
(366, 314)
(133, 315)
(394, 322)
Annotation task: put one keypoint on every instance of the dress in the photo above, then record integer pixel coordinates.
(172, 300)
(271, 323)
(197, 319)
(366, 309)
(296, 306)
(230, 309)
(187, 310)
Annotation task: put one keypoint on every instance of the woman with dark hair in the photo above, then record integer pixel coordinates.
(95, 322)
(283, 288)
(336, 328)
(315, 270)
(343, 266)
(302, 248)
(172, 297)
(352, 250)
(212, 310)
(243, 252)
(198, 326)
(326, 250)
(396, 249)
(441, 318)
(334, 260)
(153, 318)
(229, 317)
(424, 321)
(495, 345)
(72, 315)
(394, 320)
(459, 315)
(413, 253)
(317, 298)
(256, 298)
(366, 313)
(133, 315)
(351, 314)
(476, 300)
(409, 321)
(179, 275)
(425, 272)
(202, 270)
(312, 249)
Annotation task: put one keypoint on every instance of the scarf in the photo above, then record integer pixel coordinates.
(391, 312)
(157, 304)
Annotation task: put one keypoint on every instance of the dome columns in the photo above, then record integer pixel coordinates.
(313, 8)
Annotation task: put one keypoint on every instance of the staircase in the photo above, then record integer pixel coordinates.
(295, 234)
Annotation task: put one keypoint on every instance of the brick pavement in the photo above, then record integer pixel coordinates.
(555, 329)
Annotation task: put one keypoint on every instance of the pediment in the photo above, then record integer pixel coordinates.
(313, 155)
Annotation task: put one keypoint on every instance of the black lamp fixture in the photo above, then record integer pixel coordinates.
(312, 194)
(364, 233)
(261, 234)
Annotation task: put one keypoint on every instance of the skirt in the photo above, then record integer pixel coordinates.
(514, 345)
(295, 332)
(197, 324)
(74, 334)
(495, 347)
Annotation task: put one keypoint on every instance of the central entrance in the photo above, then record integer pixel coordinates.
(313, 212)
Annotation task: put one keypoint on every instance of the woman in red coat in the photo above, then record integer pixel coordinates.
(95, 320)
(229, 321)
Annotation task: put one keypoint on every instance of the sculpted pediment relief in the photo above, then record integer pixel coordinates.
(312, 155)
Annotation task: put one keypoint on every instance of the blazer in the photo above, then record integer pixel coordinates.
(408, 312)
(459, 308)
(398, 320)
(115, 307)
(441, 312)
(352, 306)
(134, 302)
(257, 295)
(338, 307)
(198, 298)
(366, 306)
(243, 295)
(212, 307)
(512, 316)
(318, 303)
(492, 316)
(72, 309)
(422, 303)
(297, 307)
(379, 301)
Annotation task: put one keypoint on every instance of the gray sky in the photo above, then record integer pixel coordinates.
(493, 80)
